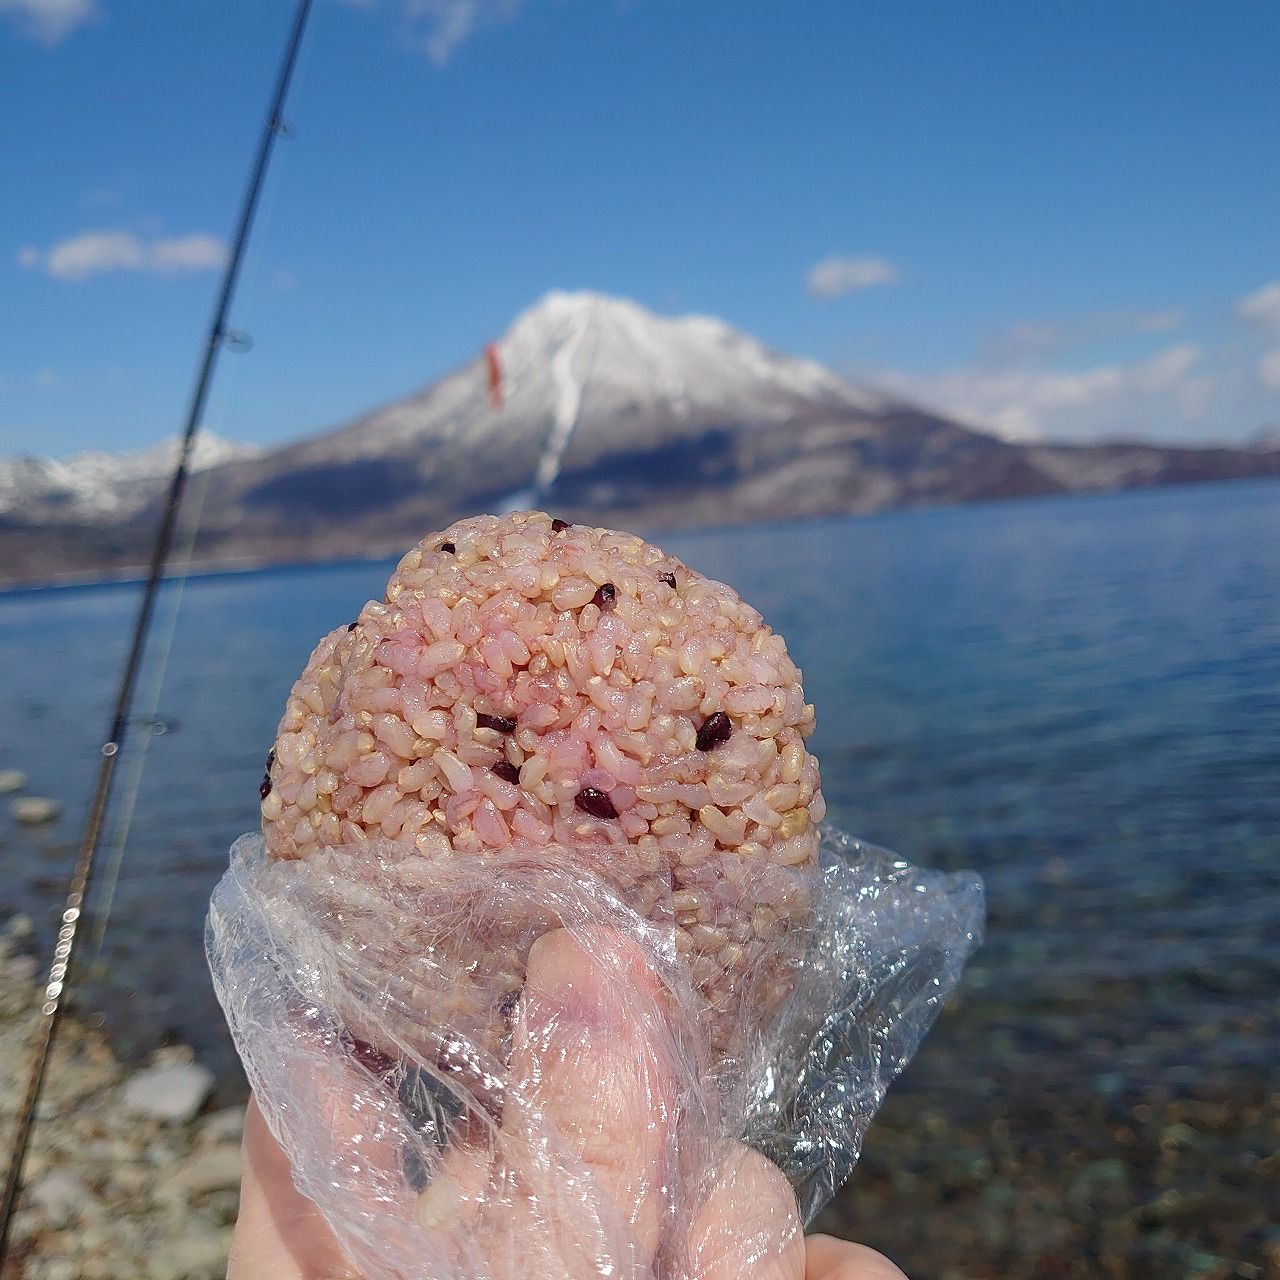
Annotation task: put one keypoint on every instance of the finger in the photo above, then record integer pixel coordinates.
(830, 1259)
(279, 1233)
(341, 1137)
(592, 1077)
(457, 1190)
(748, 1225)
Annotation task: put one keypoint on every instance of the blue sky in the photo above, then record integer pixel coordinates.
(1054, 219)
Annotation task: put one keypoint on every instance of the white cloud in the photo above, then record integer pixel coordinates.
(1262, 307)
(94, 253)
(1025, 341)
(1036, 380)
(1029, 341)
(198, 252)
(1159, 321)
(1167, 368)
(440, 26)
(1269, 369)
(49, 21)
(836, 276)
(46, 376)
(1156, 397)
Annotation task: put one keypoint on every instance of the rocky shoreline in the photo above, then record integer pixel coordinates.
(1006, 1169)
(128, 1177)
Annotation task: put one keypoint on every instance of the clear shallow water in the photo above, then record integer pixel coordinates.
(1079, 698)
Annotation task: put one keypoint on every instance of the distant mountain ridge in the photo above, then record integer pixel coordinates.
(95, 485)
(608, 413)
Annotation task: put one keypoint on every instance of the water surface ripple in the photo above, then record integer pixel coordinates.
(1080, 698)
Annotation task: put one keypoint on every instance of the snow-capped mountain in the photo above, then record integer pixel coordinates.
(95, 485)
(586, 359)
(606, 413)
(585, 379)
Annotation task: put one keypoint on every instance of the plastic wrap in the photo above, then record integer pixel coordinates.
(493, 1066)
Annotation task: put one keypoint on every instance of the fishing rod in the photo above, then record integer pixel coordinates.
(59, 971)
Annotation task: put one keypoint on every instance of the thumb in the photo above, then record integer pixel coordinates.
(593, 1074)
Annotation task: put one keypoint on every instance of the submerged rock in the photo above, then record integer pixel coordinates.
(60, 1196)
(23, 969)
(11, 780)
(34, 811)
(226, 1125)
(172, 1091)
(20, 929)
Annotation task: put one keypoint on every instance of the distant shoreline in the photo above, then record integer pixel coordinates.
(238, 566)
(136, 575)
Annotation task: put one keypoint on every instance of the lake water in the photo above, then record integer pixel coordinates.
(1079, 698)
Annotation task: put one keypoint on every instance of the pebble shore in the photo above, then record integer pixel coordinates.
(1005, 1169)
(129, 1176)
(1010, 1167)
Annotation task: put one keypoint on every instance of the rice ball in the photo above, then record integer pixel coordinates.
(528, 684)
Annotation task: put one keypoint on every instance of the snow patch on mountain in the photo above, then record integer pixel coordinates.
(94, 484)
(565, 416)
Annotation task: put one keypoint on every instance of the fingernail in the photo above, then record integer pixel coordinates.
(439, 1204)
(567, 984)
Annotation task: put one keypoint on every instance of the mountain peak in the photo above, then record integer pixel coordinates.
(561, 303)
(620, 352)
(563, 311)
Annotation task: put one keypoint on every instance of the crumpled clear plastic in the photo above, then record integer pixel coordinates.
(440, 1115)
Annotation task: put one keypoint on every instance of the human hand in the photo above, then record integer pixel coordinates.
(590, 1068)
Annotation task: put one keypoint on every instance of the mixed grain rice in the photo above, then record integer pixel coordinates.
(528, 685)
